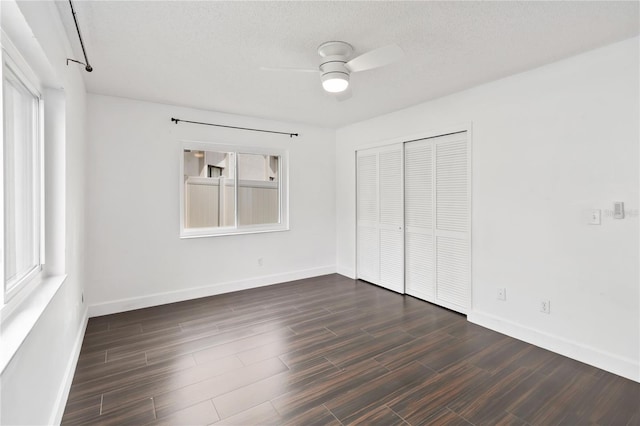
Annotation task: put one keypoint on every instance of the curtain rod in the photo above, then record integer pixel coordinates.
(177, 120)
(87, 67)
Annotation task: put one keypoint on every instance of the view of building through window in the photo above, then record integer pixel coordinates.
(211, 191)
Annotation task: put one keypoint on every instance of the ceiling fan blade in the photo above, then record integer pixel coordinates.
(289, 69)
(375, 58)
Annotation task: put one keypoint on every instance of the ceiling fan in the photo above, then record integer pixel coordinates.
(336, 64)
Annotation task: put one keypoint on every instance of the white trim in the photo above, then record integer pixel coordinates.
(21, 294)
(347, 272)
(469, 133)
(213, 145)
(16, 27)
(123, 305)
(426, 134)
(615, 364)
(13, 59)
(223, 231)
(65, 387)
(18, 324)
(16, 70)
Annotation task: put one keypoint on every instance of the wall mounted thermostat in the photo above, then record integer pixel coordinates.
(618, 210)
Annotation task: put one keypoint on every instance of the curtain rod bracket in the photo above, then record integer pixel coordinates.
(177, 120)
(87, 68)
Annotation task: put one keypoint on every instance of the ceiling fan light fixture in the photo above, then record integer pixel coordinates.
(337, 63)
(335, 82)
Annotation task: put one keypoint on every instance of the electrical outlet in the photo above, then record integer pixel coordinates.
(594, 217)
(502, 294)
(259, 261)
(545, 306)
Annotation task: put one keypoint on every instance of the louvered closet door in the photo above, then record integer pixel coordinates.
(419, 223)
(452, 224)
(380, 217)
(437, 218)
(390, 174)
(368, 234)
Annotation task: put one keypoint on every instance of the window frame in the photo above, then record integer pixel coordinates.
(283, 190)
(14, 63)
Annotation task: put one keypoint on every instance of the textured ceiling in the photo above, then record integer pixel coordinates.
(208, 54)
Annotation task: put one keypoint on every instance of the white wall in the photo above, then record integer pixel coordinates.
(134, 255)
(35, 383)
(547, 144)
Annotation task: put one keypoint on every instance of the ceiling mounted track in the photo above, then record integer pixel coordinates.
(177, 120)
(86, 64)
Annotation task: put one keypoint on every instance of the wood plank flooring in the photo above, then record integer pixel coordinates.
(328, 351)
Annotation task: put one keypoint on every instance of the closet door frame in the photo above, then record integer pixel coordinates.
(427, 134)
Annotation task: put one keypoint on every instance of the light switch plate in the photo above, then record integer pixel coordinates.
(594, 217)
(618, 210)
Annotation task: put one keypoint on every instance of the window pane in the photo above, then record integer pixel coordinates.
(258, 189)
(209, 189)
(21, 180)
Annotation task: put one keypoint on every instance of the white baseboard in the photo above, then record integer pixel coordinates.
(615, 364)
(122, 305)
(63, 393)
(347, 272)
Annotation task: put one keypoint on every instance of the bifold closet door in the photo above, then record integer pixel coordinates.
(437, 214)
(380, 221)
(368, 234)
(419, 223)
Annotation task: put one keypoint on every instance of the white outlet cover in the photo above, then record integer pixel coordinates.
(502, 294)
(545, 306)
(594, 217)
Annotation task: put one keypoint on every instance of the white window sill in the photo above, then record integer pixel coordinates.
(17, 325)
(219, 232)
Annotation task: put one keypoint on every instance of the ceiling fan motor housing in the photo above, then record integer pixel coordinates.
(333, 57)
(334, 65)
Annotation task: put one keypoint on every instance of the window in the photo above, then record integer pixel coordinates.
(22, 164)
(232, 190)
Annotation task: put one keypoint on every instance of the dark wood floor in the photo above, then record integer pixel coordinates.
(328, 350)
